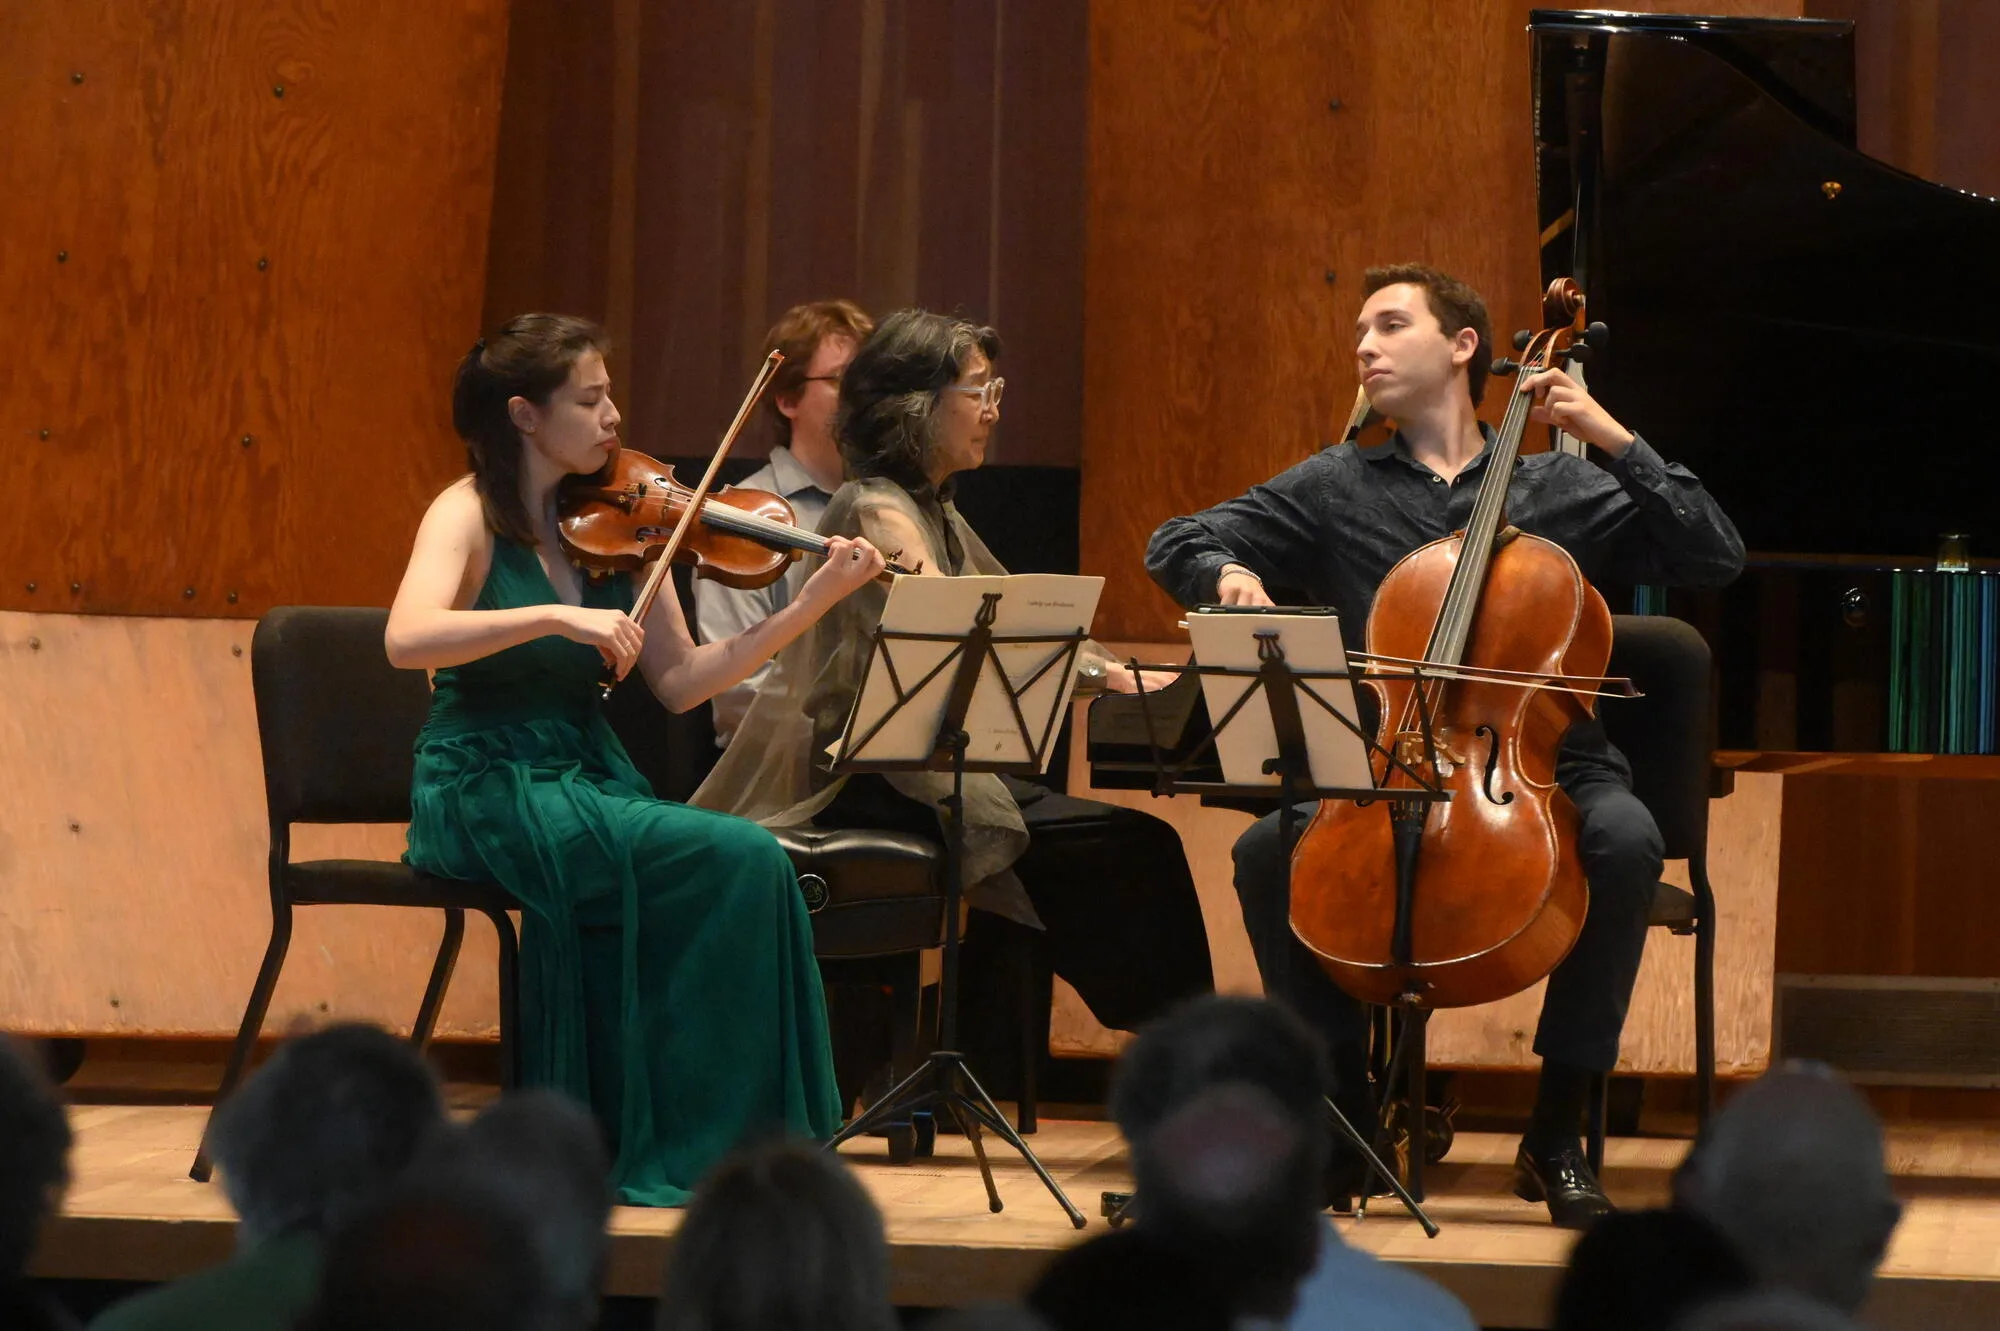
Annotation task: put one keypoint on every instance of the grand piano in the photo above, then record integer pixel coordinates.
(1814, 333)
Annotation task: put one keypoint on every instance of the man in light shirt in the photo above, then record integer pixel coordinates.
(817, 340)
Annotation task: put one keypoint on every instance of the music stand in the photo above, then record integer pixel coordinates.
(944, 1079)
(1275, 680)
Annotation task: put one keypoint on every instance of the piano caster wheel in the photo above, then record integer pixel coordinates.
(1115, 1207)
(924, 1125)
(902, 1143)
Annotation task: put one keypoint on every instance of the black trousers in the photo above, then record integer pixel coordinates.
(1122, 922)
(1583, 1010)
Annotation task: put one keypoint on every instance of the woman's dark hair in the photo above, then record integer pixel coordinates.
(887, 421)
(780, 1237)
(529, 356)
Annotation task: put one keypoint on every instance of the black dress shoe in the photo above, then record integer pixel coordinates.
(1563, 1179)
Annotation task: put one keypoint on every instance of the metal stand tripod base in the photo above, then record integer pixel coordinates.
(1117, 1206)
(1409, 1061)
(1375, 1163)
(942, 1082)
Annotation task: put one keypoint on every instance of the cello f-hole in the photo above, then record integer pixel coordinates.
(1492, 766)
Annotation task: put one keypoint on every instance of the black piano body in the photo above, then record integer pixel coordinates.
(1813, 332)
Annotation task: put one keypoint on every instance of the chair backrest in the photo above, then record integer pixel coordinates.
(1666, 733)
(337, 723)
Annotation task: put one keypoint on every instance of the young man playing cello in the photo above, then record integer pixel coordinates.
(1332, 527)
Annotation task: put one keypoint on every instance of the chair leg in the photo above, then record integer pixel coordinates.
(246, 1033)
(1704, 988)
(1035, 998)
(1600, 1112)
(441, 969)
(510, 999)
(906, 1016)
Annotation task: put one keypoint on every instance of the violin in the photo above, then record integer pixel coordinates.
(617, 518)
(1473, 898)
(606, 523)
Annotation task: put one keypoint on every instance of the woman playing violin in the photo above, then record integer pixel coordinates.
(1108, 887)
(626, 899)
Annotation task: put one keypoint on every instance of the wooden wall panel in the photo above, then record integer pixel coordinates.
(231, 221)
(722, 162)
(1923, 85)
(1232, 208)
(133, 897)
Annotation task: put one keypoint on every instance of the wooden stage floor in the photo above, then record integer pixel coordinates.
(132, 1214)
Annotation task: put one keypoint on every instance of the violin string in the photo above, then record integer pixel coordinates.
(1453, 627)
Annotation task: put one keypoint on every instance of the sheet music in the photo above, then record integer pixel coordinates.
(1311, 643)
(1031, 604)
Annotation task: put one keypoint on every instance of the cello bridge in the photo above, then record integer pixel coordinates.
(1412, 753)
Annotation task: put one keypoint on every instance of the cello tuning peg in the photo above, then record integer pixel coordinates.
(1522, 339)
(1596, 335)
(1505, 365)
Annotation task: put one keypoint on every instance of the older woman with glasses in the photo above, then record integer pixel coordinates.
(1108, 887)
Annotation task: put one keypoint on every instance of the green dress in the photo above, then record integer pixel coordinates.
(667, 971)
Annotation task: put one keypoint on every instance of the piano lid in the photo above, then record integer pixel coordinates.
(1812, 331)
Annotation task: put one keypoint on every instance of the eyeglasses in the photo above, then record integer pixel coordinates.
(821, 379)
(988, 393)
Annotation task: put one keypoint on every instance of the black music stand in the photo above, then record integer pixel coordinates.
(1277, 681)
(944, 1079)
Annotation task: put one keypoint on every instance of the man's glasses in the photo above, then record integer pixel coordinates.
(988, 393)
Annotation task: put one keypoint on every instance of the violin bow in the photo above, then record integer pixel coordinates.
(663, 566)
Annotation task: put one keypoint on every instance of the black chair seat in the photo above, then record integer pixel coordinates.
(388, 883)
(870, 893)
(1673, 909)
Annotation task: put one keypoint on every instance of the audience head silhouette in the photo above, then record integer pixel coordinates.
(541, 1152)
(1223, 1104)
(1640, 1270)
(441, 1251)
(779, 1237)
(1134, 1279)
(987, 1317)
(1209, 1042)
(1792, 1171)
(328, 1123)
(1767, 1310)
(34, 1169)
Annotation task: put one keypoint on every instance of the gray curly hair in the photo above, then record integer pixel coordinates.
(887, 423)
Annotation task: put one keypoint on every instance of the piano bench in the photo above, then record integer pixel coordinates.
(870, 893)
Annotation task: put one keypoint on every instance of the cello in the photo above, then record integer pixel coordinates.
(1482, 895)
